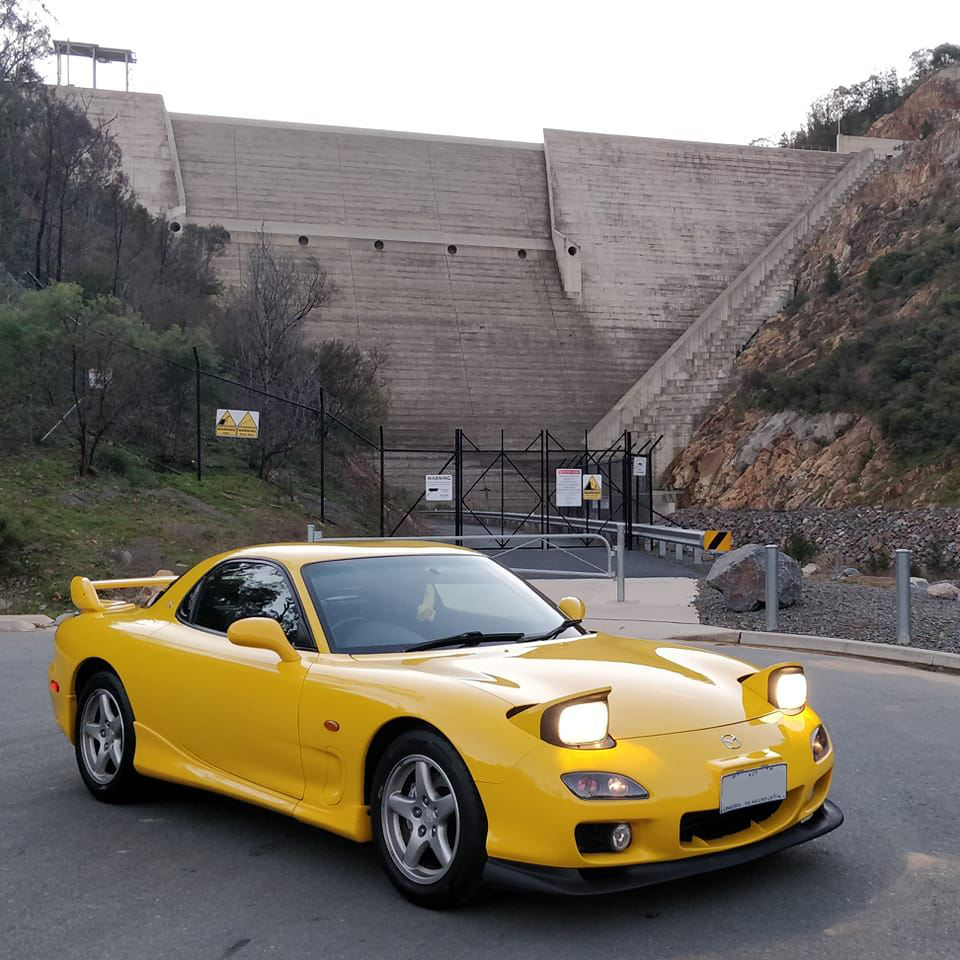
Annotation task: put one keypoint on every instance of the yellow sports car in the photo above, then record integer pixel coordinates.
(425, 698)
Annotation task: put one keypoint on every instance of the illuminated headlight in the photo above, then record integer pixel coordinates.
(788, 689)
(820, 742)
(581, 723)
(589, 785)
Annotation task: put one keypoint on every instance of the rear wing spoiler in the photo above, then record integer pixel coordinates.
(83, 592)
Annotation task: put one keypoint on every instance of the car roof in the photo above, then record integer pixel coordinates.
(297, 554)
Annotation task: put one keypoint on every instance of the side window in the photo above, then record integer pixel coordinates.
(248, 588)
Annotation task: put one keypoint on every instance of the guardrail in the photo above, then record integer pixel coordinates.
(645, 531)
(589, 568)
(679, 536)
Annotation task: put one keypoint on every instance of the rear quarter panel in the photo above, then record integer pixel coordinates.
(118, 639)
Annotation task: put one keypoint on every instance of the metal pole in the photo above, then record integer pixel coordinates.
(902, 564)
(458, 480)
(323, 457)
(94, 60)
(196, 358)
(771, 593)
(544, 482)
(627, 486)
(586, 469)
(621, 585)
(383, 481)
(501, 483)
(649, 479)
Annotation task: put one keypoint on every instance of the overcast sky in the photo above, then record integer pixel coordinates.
(727, 72)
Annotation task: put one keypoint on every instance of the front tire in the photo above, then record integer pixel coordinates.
(428, 821)
(105, 741)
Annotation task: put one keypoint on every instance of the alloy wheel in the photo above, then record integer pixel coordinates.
(101, 733)
(421, 819)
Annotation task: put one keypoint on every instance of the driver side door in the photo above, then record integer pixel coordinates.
(236, 708)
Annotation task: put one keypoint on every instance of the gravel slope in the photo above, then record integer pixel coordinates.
(848, 611)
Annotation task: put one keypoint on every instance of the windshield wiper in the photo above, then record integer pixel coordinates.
(550, 634)
(469, 638)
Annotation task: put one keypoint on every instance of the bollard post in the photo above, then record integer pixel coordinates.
(771, 585)
(621, 586)
(902, 565)
(311, 529)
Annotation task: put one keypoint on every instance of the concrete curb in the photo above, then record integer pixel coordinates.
(864, 649)
(23, 622)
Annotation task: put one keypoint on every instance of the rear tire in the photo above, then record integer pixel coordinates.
(428, 821)
(105, 741)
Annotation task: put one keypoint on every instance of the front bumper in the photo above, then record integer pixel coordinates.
(593, 880)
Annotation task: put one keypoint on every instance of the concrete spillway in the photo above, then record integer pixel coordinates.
(518, 286)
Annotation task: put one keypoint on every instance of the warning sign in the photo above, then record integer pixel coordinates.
(639, 466)
(719, 540)
(439, 487)
(592, 486)
(569, 487)
(238, 423)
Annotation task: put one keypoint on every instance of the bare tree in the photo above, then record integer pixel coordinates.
(266, 322)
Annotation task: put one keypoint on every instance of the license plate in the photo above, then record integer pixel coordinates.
(746, 788)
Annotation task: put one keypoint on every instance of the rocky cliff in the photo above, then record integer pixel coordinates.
(852, 394)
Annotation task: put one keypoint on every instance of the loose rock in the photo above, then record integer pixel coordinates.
(943, 590)
(740, 576)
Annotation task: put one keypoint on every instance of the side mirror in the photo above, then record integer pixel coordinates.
(572, 608)
(262, 633)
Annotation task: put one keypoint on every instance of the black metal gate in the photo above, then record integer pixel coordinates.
(505, 489)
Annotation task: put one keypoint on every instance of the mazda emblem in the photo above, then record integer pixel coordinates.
(730, 741)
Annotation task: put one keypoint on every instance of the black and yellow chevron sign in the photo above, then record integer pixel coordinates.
(719, 540)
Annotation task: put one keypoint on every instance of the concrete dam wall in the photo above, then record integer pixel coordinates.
(510, 285)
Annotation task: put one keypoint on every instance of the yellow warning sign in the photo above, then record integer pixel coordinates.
(247, 427)
(592, 486)
(719, 540)
(238, 423)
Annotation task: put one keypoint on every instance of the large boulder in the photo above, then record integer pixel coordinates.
(740, 576)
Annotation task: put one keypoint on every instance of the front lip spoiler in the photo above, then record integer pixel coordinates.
(594, 880)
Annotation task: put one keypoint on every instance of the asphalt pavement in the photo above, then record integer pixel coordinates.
(185, 874)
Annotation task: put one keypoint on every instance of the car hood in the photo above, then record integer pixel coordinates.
(655, 688)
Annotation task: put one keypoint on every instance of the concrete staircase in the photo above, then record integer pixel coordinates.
(675, 395)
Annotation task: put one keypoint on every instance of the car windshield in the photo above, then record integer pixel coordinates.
(384, 604)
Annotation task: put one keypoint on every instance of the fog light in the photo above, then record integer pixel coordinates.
(620, 837)
(820, 742)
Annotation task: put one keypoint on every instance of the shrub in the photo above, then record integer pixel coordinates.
(793, 305)
(831, 278)
(800, 547)
(117, 461)
(933, 557)
(910, 268)
(11, 545)
(876, 561)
